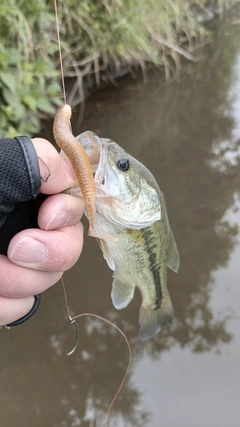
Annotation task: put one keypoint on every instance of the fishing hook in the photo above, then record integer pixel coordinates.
(68, 353)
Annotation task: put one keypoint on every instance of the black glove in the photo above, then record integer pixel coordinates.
(20, 184)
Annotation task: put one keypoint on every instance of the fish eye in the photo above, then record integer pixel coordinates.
(123, 164)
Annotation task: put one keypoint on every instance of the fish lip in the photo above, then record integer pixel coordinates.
(99, 177)
(98, 158)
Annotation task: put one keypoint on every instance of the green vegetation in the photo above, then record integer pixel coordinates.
(95, 35)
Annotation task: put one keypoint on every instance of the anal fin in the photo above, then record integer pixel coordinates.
(122, 293)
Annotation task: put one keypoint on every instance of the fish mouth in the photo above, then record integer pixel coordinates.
(96, 151)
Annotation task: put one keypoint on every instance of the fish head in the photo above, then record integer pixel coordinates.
(126, 192)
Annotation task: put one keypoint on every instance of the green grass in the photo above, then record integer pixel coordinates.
(95, 35)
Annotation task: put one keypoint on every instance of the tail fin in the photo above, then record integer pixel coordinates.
(152, 319)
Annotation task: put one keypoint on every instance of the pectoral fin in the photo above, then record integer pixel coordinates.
(122, 293)
(152, 319)
(173, 260)
(106, 254)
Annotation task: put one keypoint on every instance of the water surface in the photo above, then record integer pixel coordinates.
(188, 134)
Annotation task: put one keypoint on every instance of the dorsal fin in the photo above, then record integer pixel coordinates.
(173, 260)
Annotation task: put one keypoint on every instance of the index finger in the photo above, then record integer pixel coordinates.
(56, 172)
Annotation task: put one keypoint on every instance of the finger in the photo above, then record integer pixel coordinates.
(60, 210)
(56, 250)
(13, 309)
(56, 172)
(18, 282)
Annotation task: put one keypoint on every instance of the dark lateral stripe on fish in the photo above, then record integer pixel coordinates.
(158, 289)
(154, 267)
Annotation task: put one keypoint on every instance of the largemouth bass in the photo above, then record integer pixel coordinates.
(131, 208)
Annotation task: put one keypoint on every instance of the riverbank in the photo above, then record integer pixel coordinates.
(100, 41)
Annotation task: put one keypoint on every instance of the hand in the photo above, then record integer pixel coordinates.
(37, 258)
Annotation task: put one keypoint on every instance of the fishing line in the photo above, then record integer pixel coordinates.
(73, 319)
(70, 318)
(60, 51)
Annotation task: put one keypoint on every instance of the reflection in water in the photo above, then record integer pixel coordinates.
(188, 135)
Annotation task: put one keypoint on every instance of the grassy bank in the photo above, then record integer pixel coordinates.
(101, 37)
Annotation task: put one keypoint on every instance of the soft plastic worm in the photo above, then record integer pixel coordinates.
(81, 166)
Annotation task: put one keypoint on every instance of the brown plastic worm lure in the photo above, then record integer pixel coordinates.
(81, 166)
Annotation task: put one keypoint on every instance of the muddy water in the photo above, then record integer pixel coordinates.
(188, 135)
